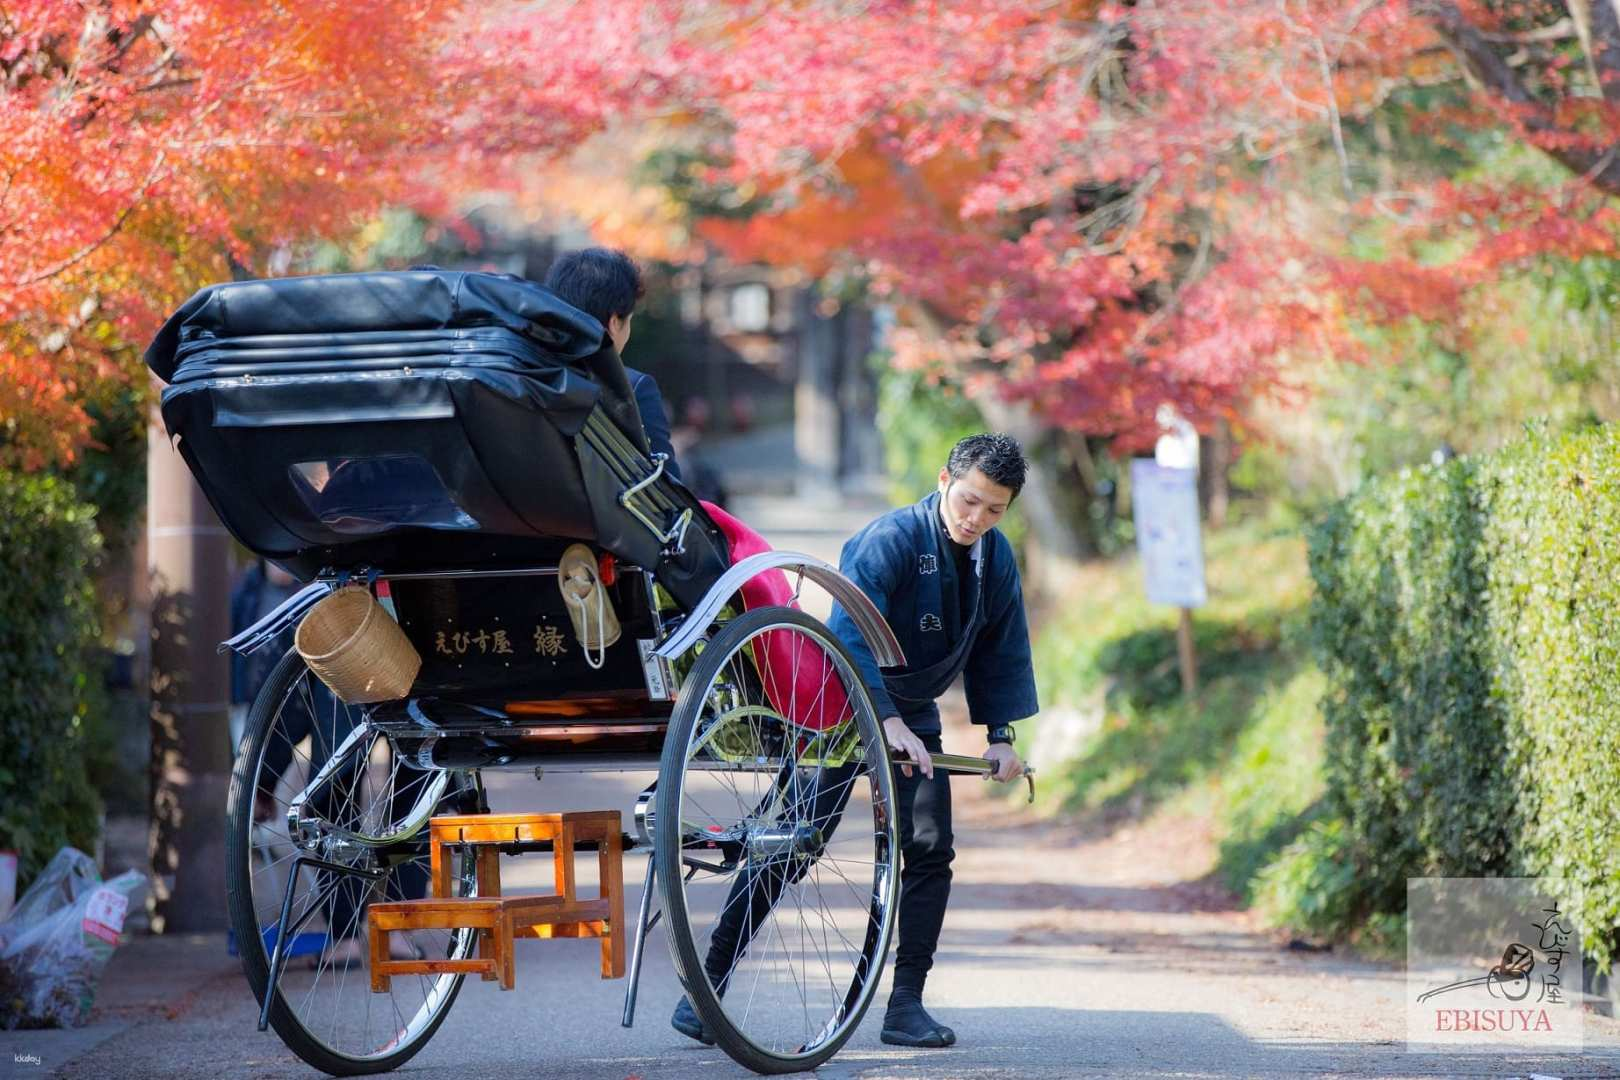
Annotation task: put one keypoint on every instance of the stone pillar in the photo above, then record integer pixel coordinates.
(861, 466)
(817, 424)
(189, 566)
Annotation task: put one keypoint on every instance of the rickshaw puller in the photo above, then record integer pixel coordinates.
(945, 579)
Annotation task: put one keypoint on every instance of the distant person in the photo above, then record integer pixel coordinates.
(696, 414)
(259, 590)
(742, 410)
(606, 285)
(702, 478)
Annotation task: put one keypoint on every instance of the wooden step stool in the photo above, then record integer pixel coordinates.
(501, 919)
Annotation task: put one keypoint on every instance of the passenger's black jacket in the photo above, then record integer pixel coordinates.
(654, 421)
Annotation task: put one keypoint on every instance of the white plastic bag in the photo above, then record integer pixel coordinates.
(57, 940)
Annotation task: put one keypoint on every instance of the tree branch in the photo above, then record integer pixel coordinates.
(1606, 35)
(1599, 33)
(137, 30)
(168, 84)
(1496, 76)
(1195, 274)
(117, 225)
(1334, 122)
(1562, 30)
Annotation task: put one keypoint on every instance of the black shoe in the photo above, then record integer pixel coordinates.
(687, 1023)
(908, 1024)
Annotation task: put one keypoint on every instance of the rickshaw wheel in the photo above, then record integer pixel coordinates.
(324, 1010)
(777, 846)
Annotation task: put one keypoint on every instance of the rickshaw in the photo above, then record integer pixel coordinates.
(438, 439)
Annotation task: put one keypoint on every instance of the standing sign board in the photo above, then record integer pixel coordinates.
(1164, 506)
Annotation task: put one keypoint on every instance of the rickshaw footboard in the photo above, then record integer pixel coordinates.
(498, 919)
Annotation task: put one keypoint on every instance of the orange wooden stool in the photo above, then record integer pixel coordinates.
(500, 919)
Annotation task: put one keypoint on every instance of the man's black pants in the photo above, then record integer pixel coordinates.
(924, 812)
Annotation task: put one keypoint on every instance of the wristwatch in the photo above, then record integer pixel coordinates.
(1001, 733)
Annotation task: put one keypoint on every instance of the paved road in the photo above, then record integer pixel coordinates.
(1063, 956)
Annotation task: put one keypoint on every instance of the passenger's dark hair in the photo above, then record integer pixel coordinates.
(998, 456)
(599, 281)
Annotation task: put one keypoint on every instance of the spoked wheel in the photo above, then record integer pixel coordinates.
(777, 843)
(367, 824)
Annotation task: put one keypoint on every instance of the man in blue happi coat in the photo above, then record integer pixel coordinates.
(945, 579)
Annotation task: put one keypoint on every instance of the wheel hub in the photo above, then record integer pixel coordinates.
(784, 840)
(347, 853)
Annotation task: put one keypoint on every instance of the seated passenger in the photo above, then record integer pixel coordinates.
(606, 285)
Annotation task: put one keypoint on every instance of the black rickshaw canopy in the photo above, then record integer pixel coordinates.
(415, 419)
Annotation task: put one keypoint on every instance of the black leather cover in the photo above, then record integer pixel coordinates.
(382, 320)
(420, 419)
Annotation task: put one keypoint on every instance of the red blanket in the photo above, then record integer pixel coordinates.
(800, 681)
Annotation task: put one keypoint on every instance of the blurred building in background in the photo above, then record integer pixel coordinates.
(773, 378)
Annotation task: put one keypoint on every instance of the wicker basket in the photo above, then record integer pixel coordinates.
(350, 642)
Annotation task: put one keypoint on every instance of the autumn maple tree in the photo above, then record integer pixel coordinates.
(147, 149)
(1093, 208)
(142, 150)
(1081, 209)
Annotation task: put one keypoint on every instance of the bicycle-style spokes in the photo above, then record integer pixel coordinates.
(786, 837)
(324, 820)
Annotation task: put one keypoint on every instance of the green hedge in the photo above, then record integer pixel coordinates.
(1467, 618)
(48, 544)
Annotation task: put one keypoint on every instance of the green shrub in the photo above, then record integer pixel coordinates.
(1273, 781)
(1554, 594)
(48, 544)
(1311, 885)
(1467, 619)
(921, 420)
